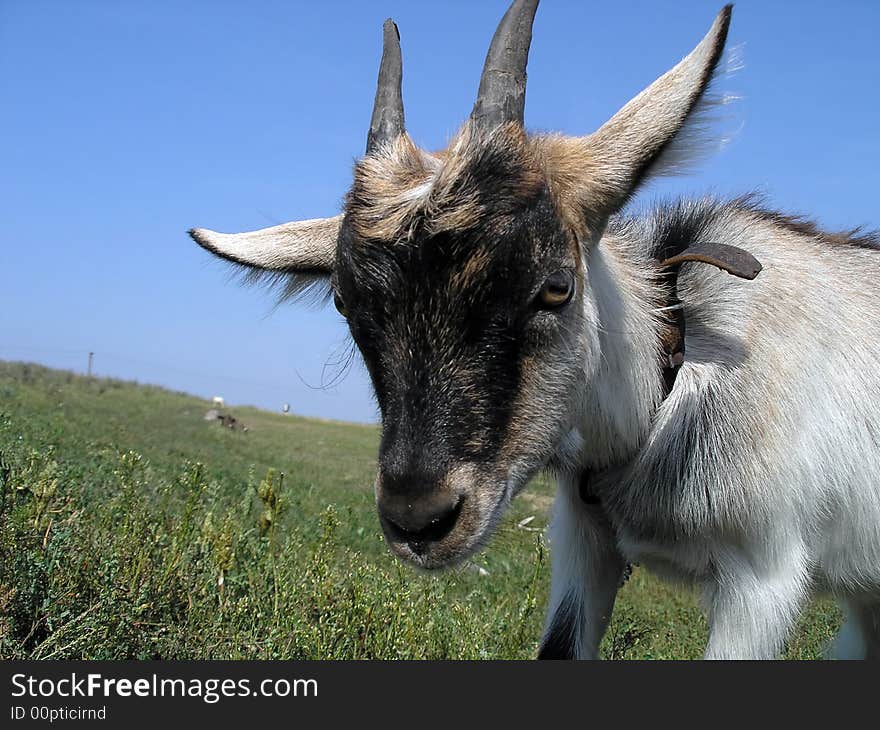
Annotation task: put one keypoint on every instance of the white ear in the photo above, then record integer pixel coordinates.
(612, 162)
(304, 247)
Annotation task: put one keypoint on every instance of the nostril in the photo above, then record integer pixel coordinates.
(431, 529)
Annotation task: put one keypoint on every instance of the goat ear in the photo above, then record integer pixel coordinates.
(621, 154)
(300, 247)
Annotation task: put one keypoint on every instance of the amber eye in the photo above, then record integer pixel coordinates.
(339, 304)
(557, 290)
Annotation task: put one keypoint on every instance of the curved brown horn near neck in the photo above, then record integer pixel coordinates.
(387, 122)
(502, 94)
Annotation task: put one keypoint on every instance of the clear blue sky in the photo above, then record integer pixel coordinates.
(124, 123)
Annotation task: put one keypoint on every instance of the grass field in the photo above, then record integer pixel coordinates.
(132, 528)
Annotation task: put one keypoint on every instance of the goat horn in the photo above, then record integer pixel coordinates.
(502, 94)
(387, 121)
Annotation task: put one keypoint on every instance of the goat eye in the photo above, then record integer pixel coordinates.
(339, 304)
(557, 290)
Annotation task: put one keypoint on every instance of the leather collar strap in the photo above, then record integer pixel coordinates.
(731, 259)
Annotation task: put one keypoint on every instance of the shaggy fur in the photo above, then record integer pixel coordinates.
(754, 478)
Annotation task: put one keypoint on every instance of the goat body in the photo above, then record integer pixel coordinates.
(755, 478)
(511, 320)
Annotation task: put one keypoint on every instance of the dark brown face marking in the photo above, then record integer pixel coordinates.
(451, 325)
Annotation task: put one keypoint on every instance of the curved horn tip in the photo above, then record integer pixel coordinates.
(502, 94)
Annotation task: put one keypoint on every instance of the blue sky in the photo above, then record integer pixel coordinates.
(126, 123)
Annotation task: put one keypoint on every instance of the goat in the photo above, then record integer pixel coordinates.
(218, 402)
(512, 319)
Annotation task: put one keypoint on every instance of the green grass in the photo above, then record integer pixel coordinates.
(132, 528)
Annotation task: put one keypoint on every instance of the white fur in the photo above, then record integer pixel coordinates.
(756, 479)
(587, 568)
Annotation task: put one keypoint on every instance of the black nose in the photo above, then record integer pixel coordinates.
(419, 519)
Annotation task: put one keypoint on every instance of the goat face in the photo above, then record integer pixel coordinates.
(463, 294)
(464, 279)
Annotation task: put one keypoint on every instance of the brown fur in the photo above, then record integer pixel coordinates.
(568, 165)
(472, 271)
(385, 204)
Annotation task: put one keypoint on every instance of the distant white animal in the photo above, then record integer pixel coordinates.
(218, 402)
